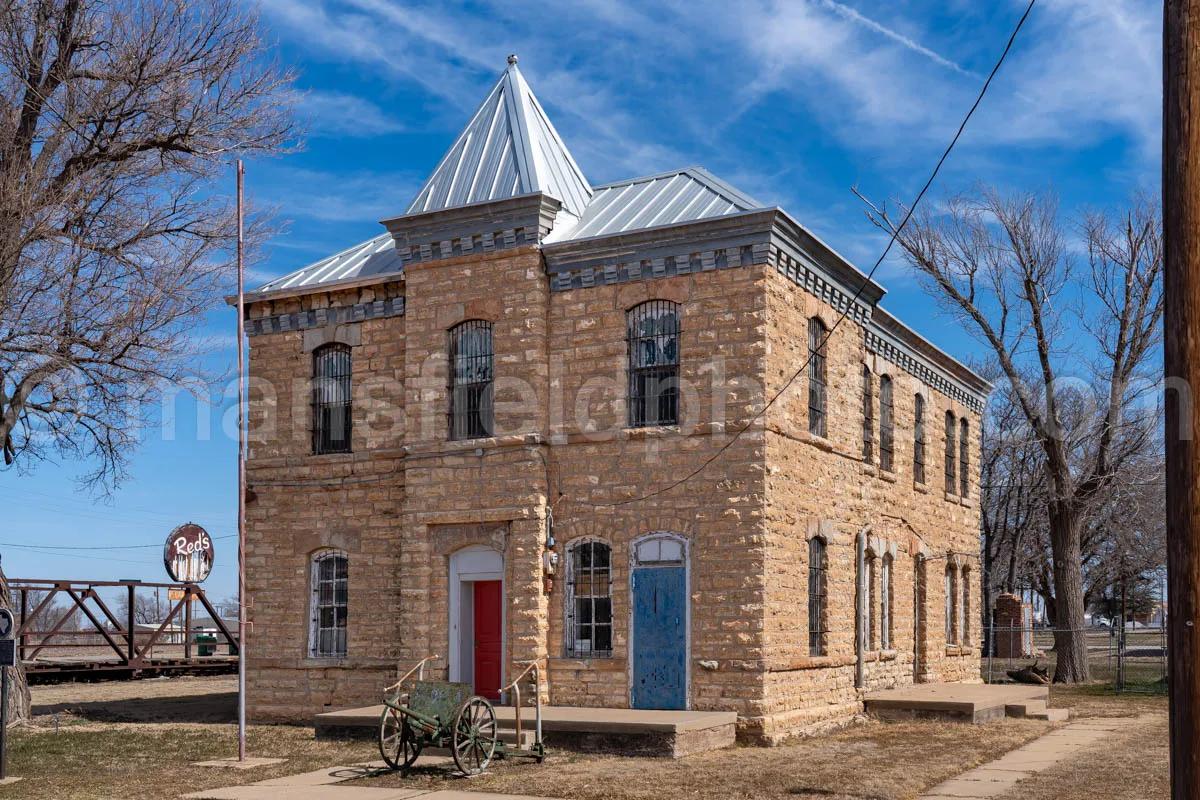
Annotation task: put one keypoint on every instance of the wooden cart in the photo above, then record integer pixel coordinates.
(450, 715)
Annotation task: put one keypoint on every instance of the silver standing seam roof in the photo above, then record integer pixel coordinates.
(375, 256)
(509, 148)
(668, 198)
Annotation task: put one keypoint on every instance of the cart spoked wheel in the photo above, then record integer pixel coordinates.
(397, 744)
(475, 736)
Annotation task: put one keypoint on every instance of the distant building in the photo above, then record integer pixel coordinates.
(520, 346)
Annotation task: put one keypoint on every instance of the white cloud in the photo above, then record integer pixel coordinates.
(340, 115)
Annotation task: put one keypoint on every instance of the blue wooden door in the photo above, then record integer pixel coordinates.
(659, 638)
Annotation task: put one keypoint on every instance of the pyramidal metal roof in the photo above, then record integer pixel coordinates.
(669, 198)
(509, 148)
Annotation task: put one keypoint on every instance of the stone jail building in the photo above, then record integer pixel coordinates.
(530, 420)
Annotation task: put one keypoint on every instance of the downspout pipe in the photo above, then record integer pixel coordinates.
(860, 608)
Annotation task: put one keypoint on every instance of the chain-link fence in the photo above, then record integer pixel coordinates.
(1133, 659)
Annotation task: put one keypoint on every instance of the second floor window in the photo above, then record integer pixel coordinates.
(919, 439)
(817, 418)
(331, 399)
(868, 414)
(964, 458)
(653, 338)
(886, 423)
(471, 380)
(951, 454)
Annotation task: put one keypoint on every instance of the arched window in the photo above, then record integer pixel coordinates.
(330, 604)
(885, 603)
(964, 459)
(886, 423)
(951, 454)
(472, 376)
(951, 607)
(868, 415)
(331, 399)
(919, 439)
(817, 569)
(964, 608)
(589, 600)
(817, 410)
(872, 599)
(652, 331)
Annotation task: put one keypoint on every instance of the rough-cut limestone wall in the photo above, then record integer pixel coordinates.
(822, 485)
(355, 507)
(719, 512)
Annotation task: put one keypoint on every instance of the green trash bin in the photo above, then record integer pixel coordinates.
(207, 644)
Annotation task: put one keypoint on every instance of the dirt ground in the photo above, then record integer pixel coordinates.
(137, 739)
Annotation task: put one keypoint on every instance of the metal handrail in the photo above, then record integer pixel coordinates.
(537, 695)
(419, 669)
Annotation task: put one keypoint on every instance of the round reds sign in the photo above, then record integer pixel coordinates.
(188, 554)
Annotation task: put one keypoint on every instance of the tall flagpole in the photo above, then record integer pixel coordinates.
(241, 368)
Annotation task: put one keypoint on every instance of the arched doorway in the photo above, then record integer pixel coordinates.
(661, 621)
(477, 619)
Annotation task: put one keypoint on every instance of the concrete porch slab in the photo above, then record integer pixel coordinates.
(620, 730)
(965, 702)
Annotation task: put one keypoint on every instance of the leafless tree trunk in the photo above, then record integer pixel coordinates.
(18, 687)
(119, 120)
(1070, 340)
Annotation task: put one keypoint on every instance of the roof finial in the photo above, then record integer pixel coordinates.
(512, 59)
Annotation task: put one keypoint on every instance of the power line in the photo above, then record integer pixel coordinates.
(842, 316)
(115, 547)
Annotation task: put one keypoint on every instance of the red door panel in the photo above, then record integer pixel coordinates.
(488, 638)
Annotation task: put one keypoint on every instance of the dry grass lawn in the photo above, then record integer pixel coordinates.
(874, 760)
(138, 739)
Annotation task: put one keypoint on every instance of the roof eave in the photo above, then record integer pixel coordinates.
(318, 288)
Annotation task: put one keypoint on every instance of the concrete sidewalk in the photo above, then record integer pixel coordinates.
(999, 776)
(324, 784)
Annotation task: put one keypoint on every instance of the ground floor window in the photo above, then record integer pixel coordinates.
(330, 604)
(952, 606)
(589, 600)
(817, 568)
(885, 603)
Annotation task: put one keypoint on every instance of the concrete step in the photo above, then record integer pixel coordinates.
(1036, 709)
(1052, 715)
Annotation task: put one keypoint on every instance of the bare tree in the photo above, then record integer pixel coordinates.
(117, 120)
(145, 610)
(1001, 266)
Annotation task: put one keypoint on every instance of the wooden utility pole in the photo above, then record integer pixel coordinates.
(1181, 326)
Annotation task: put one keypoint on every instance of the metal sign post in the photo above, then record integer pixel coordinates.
(8, 658)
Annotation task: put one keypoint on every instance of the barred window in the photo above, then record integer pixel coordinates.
(872, 589)
(964, 608)
(817, 419)
(589, 600)
(868, 414)
(886, 423)
(653, 337)
(817, 569)
(964, 458)
(330, 604)
(472, 377)
(885, 603)
(951, 454)
(331, 399)
(919, 439)
(951, 607)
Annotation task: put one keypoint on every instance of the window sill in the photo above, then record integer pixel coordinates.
(651, 431)
(869, 469)
(955, 650)
(884, 475)
(920, 487)
(812, 662)
(950, 497)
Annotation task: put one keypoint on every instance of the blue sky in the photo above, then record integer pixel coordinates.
(794, 102)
